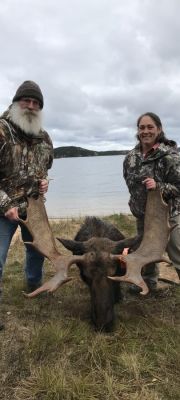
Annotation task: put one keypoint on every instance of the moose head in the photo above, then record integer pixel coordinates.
(97, 251)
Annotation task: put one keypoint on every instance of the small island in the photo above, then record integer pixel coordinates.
(73, 151)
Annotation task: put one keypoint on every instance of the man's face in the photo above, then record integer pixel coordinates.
(29, 103)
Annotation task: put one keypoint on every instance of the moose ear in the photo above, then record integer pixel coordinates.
(130, 243)
(76, 247)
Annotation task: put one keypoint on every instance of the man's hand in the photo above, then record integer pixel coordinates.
(12, 214)
(43, 186)
(150, 183)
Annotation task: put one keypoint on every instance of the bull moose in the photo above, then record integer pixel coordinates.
(96, 240)
(97, 251)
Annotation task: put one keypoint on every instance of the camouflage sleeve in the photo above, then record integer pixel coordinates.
(51, 151)
(171, 186)
(4, 198)
(125, 168)
(5, 202)
(2, 139)
(51, 156)
(129, 178)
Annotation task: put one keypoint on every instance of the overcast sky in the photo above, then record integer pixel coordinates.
(99, 63)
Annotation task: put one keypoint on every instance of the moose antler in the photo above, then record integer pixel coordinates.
(43, 240)
(154, 242)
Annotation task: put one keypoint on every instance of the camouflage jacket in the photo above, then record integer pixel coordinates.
(24, 160)
(162, 164)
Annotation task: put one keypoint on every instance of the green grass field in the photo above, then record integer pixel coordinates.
(49, 349)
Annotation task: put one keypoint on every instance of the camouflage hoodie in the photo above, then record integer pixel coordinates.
(24, 160)
(162, 164)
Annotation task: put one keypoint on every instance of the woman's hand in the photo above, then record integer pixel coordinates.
(150, 183)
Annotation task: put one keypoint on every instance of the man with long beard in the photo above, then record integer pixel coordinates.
(26, 154)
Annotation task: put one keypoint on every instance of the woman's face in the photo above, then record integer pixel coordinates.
(148, 131)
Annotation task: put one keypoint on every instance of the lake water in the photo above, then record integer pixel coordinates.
(87, 186)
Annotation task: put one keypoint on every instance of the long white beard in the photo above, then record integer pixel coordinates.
(28, 121)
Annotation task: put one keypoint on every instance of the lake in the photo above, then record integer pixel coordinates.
(87, 186)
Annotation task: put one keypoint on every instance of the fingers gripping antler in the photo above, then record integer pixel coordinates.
(43, 241)
(154, 242)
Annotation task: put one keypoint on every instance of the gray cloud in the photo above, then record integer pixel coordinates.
(100, 65)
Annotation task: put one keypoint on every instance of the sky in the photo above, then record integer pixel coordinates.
(100, 64)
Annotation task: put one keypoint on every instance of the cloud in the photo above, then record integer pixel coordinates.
(100, 65)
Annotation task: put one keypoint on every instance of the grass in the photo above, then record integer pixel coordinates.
(50, 351)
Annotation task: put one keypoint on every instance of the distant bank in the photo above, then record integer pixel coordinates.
(73, 151)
